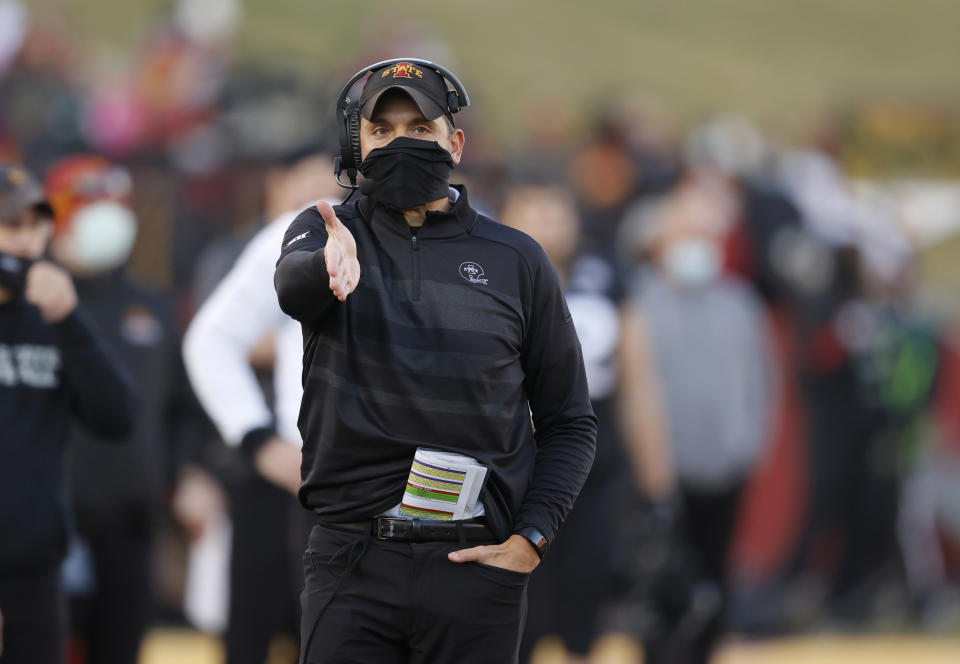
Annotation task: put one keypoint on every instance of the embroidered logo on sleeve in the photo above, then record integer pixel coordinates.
(299, 237)
(472, 272)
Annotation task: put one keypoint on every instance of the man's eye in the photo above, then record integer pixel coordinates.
(380, 131)
(422, 130)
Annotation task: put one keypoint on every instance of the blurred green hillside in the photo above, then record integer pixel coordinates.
(781, 62)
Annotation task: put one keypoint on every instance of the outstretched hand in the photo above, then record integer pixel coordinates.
(340, 254)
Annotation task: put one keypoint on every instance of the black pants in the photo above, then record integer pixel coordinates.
(112, 620)
(573, 583)
(269, 532)
(850, 500)
(34, 618)
(368, 600)
(706, 529)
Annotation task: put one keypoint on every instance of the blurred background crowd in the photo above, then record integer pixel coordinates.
(763, 279)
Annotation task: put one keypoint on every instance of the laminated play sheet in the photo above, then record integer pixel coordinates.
(442, 485)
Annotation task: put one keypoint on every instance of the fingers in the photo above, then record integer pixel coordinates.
(342, 266)
(476, 554)
(333, 258)
(50, 289)
(510, 555)
(341, 286)
(338, 276)
(343, 269)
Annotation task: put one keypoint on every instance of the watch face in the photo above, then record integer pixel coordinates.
(537, 539)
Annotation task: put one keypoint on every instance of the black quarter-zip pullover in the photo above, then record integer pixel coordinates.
(454, 335)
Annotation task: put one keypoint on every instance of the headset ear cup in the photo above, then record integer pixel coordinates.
(353, 133)
(343, 134)
(453, 101)
(350, 138)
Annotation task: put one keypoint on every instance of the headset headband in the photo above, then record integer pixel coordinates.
(463, 99)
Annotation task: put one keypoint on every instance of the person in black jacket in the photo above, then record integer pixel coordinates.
(426, 325)
(53, 367)
(115, 493)
(575, 584)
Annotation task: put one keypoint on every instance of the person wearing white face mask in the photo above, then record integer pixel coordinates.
(697, 398)
(99, 238)
(114, 493)
(692, 262)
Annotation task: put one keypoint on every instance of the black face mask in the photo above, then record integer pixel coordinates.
(406, 173)
(13, 273)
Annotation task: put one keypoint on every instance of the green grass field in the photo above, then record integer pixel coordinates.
(781, 62)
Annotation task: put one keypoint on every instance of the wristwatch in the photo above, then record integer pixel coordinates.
(536, 539)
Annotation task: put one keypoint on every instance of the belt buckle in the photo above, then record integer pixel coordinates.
(379, 527)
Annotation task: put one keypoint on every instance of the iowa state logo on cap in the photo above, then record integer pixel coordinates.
(402, 70)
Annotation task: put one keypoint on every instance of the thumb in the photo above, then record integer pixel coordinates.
(467, 555)
(330, 219)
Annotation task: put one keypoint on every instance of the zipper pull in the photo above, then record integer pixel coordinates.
(413, 241)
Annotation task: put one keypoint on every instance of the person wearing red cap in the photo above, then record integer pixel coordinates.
(54, 368)
(94, 224)
(437, 346)
(115, 492)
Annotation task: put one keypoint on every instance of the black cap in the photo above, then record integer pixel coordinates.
(426, 87)
(19, 191)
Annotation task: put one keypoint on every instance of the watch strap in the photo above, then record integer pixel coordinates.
(536, 539)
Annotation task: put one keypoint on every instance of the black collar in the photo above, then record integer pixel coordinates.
(456, 221)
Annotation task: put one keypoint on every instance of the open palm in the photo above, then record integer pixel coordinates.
(340, 254)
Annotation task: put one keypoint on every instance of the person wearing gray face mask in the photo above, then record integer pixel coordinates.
(697, 390)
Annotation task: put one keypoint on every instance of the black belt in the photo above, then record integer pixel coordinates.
(417, 530)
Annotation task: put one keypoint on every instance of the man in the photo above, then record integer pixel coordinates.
(574, 584)
(115, 494)
(52, 367)
(426, 325)
(265, 579)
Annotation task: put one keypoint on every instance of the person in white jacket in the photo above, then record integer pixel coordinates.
(231, 324)
(237, 316)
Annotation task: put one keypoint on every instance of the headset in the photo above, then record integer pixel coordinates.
(348, 115)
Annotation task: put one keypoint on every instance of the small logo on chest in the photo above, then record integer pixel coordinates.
(472, 272)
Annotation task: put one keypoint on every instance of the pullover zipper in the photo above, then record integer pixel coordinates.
(416, 268)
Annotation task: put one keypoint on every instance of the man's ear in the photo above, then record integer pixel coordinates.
(456, 145)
